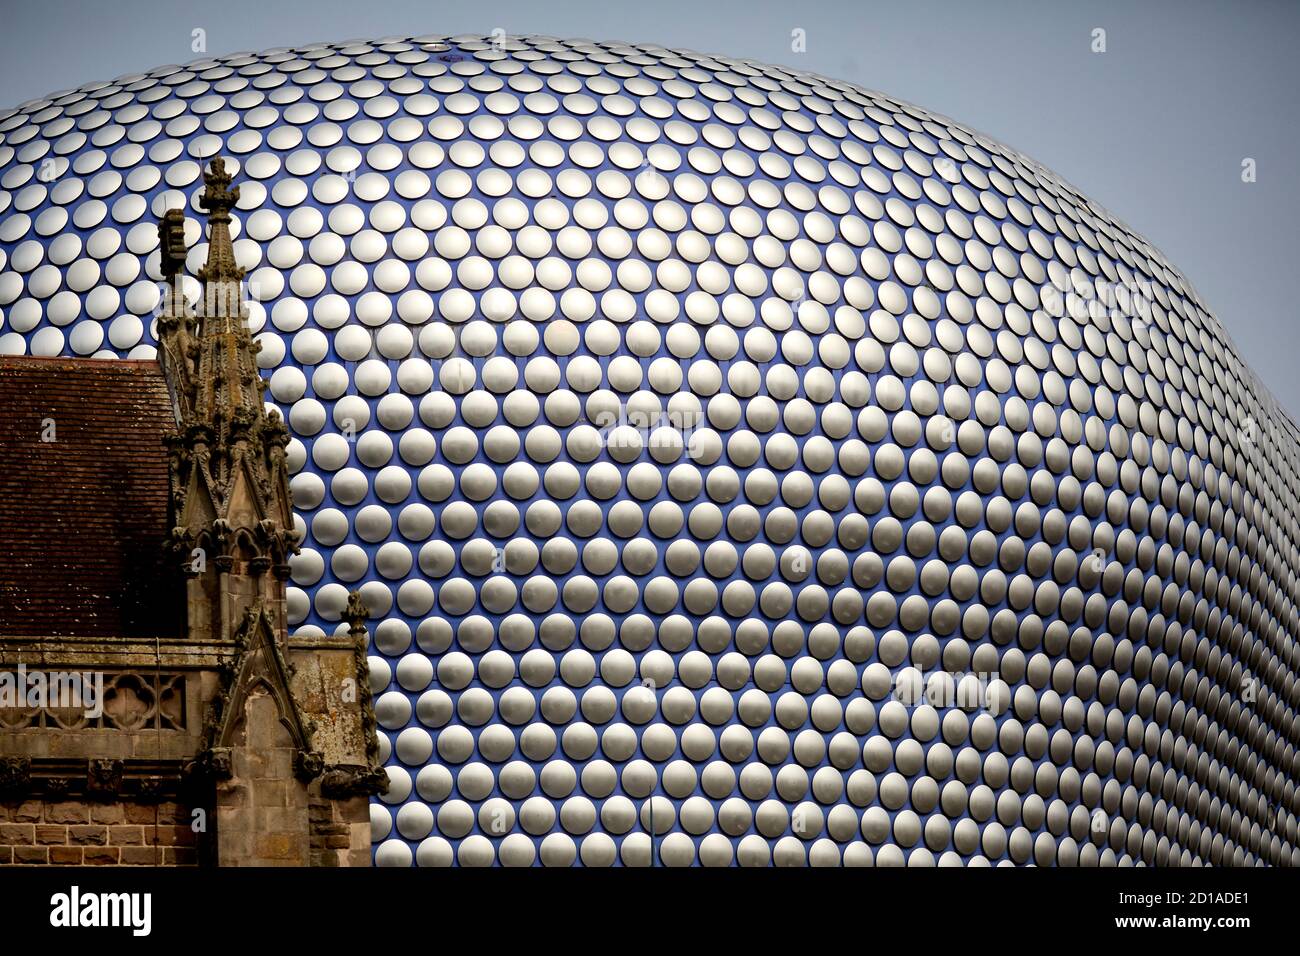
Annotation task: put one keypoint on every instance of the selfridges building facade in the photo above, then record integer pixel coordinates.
(740, 467)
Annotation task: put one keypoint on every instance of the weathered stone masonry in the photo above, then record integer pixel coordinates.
(145, 535)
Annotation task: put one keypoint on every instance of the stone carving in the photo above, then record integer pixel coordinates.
(209, 765)
(225, 445)
(254, 638)
(356, 616)
(346, 780)
(104, 778)
(132, 701)
(154, 788)
(15, 775)
(308, 764)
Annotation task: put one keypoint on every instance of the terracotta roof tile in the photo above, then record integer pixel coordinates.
(83, 518)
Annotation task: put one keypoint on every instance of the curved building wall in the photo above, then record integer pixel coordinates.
(741, 466)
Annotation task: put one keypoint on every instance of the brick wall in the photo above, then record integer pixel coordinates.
(80, 833)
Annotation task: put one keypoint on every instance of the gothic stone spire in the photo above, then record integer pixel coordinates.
(230, 480)
(229, 387)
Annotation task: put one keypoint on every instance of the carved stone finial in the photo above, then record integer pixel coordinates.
(171, 242)
(218, 198)
(356, 614)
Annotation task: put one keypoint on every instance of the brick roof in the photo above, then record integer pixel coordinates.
(83, 518)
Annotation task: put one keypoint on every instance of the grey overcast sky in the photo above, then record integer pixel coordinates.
(1155, 129)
